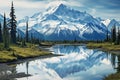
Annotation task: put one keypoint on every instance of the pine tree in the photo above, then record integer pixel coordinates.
(27, 32)
(5, 34)
(118, 36)
(113, 34)
(12, 24)
(1, 37)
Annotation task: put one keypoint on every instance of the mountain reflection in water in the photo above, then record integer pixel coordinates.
(78, 63)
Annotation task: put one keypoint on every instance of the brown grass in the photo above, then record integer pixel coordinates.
(115, 76)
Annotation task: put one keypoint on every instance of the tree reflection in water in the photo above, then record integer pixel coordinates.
(10, 73)
(7, 72)
(118, 65)
(78, 61)
(27, 65)
(115, 60)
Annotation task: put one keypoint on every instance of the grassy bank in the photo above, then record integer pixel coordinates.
(105, 46)
(110, 47)
(17, 52)
(115, 76)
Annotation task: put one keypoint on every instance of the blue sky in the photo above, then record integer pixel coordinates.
(98, 8)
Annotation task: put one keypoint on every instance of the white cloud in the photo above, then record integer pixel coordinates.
(93, 11)
(74, 3)
(29, 7)
(23, 8)
(26, 4)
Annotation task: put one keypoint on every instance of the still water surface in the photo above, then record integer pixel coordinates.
(78, 63)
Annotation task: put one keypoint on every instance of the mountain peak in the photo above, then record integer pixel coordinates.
(62, 22)
(55, 4)
(62, 5)
(113, 20)
(53, 7)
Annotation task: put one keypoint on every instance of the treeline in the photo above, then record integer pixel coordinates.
(8, 32)
(8, 29)
(28, 38)
(115, 35)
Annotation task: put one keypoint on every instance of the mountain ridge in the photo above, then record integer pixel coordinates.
(61, 22)
(64, 23)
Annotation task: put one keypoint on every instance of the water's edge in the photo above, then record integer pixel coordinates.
(73, 55)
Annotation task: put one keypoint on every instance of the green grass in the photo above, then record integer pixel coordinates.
(6, 56)
(16, 52)
(107, 46)
(27, 51)
(47, 43)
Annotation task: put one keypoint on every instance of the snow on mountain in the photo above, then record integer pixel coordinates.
(110, 23)
(35, 34)
(106, 22)
(60, 22)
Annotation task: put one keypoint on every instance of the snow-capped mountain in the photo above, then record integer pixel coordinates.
(64, 23)
(110, 23)
(106, 22)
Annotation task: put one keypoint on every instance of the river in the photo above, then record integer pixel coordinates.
(77, 63)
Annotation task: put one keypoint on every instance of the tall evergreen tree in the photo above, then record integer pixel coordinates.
(113, 34)
(27, 32)
(12, 24)
(5, 34)
(1, 38)
(118, 36)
